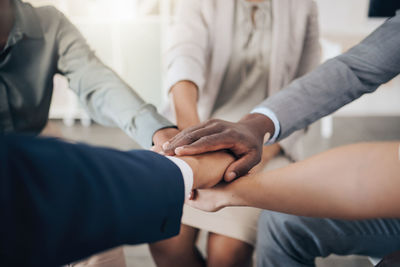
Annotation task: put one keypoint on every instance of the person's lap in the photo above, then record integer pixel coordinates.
(288, 240)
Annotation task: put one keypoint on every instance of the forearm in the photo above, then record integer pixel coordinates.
(271, 151)
(185, 95)
(353, 182)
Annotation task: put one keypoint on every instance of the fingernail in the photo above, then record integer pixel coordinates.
(165, 145)
(231, 176)
(177, 150)
(161, 153)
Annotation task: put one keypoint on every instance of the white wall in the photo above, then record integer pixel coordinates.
(127, 41)
(346, 17)
(132, 44)
(346, 22)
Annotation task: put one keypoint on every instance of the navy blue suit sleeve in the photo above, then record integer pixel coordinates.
(60, 202)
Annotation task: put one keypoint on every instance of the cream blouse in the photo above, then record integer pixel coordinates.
(245, 83)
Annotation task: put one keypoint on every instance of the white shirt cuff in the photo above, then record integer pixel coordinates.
(187, 174)
(270, 114)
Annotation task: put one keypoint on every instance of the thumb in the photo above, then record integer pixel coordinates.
(241, 166)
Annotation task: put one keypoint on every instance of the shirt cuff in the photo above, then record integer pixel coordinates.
(187, 174)
(145, 124)
(270, 114)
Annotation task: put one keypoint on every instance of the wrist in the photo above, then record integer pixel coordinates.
(183, 124)
(187, 174)
(185, 96)
(194, 165)
(260, 124)
(230, 197)
(271, 151)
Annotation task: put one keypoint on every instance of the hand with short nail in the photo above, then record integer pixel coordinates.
(243, 139)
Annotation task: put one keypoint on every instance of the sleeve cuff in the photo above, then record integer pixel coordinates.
(187, 174)
(270, 114)
(146, 124)
(185, 69)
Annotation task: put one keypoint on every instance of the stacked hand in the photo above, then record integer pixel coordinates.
(244, 139)
(208, 168)
(194, 145)
(162, 136)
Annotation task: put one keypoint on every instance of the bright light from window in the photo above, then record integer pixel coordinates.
(115, 10)
(119, 10)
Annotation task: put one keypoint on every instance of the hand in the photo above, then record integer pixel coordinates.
(212, 199)
(244, 139)
(209, 168)
(162, 136)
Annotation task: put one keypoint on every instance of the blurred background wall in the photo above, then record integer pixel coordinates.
(129, 35)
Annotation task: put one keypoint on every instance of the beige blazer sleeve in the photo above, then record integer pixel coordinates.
(310, 59)
(187, 45)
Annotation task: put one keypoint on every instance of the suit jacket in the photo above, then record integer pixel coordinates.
(60, 202)
(375, 61)
(200, 46)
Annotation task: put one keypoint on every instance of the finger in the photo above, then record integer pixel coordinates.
(191, 203)
(172, 144)
(194, 136)
(169, 146)
(193, 194)
(242, 166)
(157, 149)
(205, 144)
(187, 130)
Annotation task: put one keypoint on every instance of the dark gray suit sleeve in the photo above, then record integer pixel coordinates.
(339, 81)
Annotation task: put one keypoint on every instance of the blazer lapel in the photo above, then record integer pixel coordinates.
(221, 43)
(280, 32)
(223, 35)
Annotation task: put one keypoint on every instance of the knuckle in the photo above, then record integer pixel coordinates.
(255, 159)
(184, 132)
(214, 120)
(232, 133)
(206, 139)
(216, 123)
(229, 131)
(189, 138)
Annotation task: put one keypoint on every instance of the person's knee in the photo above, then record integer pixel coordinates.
(228, 252)
(169, 249)
(288, 234)
(274, 229)
(178, 249)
